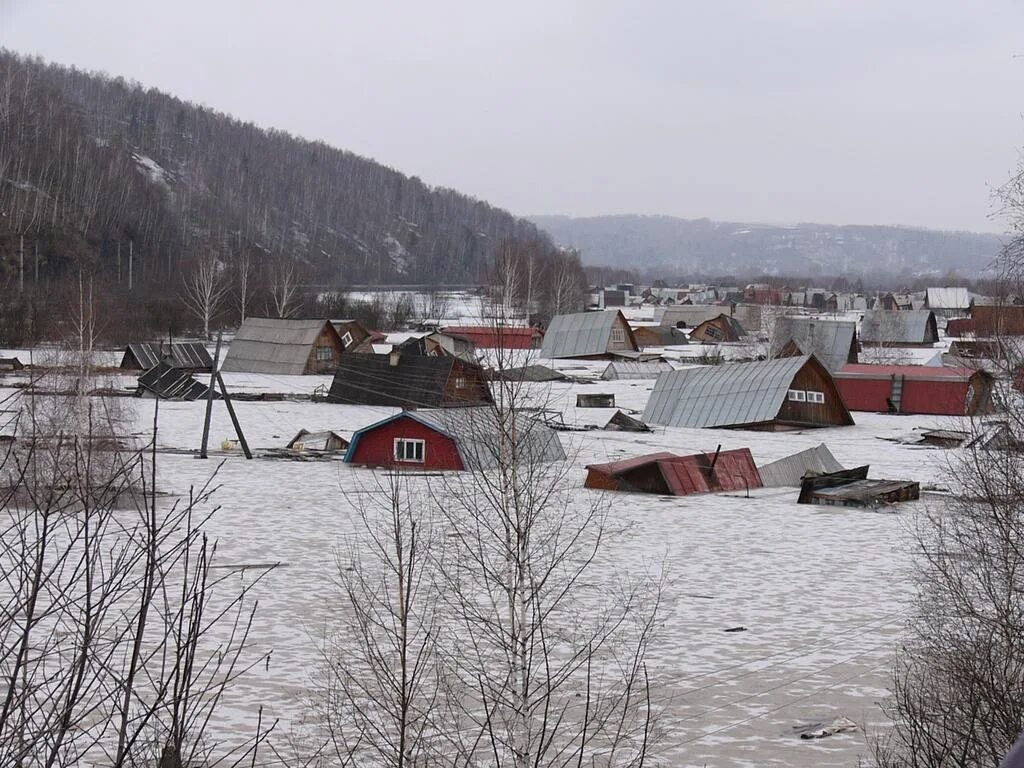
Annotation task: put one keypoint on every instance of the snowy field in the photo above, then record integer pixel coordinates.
(822, 592)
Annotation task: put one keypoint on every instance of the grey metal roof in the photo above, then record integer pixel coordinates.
(477, 433)
(827, 340)
(722, 395)
(170, 383)
(578, 335)
(630, 370)
(272, 345)
(789, 471)
(948, 298)
(895, 326)
(691, 314)
(183, 354)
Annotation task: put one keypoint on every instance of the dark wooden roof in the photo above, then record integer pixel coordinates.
(415, 381)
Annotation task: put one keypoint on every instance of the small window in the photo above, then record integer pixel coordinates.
(618, 336)
(797, 395)
(324, 353)
(460, 382)
(409, 450)
(815, 397)
(347, 339)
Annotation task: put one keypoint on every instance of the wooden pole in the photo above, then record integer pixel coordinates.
(234, 418)
(209, 400)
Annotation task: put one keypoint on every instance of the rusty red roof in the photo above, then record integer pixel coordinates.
(683, 475)
(496, 337)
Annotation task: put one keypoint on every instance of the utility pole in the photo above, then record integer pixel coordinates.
(209, 399)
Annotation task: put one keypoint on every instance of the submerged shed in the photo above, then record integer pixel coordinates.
(408, 381)
(321, 441)
(788, 393)
(284, 347)
(791, 470)
(461, 439)
(721, 328)
(916, 389)
(626, 369)
(833, 342)
(588, 335)
(852, 488)
(671, 475)
(189, 356)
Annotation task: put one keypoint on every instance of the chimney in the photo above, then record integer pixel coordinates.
(393, 357)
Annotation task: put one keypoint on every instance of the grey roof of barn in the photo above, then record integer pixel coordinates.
(272, 345)
(722, 395)
(476, 431)
(789, 471)
(948, 298)
(579, 335)
(828, 340)
(183, 354)
(627, 369)
(906, 326)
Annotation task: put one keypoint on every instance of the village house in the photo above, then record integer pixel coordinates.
(833, 342)
(355, 337)
(409, 381)
(997, 320)
(453, 440)
(774, 395)
(916, 389)
(719, 329)
(284, 347)
(899, 328)
(670, 475)
(686, 315)
(191, 357)
(947, 302)
(590, 335)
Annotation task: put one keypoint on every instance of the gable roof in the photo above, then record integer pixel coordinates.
(497, 336)
(476, 432)
(416, 380)
(722, 395)
(582, 334)
(896, 326)
(628, 369)
(909, 372)
(828, 340)
(183, 354)
(273, 345)
(947, 298)
(732, 470)
(733, 326)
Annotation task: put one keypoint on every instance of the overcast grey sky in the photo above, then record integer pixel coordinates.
(834, 111)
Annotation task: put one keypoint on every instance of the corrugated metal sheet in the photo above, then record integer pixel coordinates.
(789, 472)
(579, 335)
(170, 383)
(894, 326)
(497, 337)
(273, 345)
(947, 298)
(690, 314)
(192, 356)
(628, 370)
(682, 475)
(722, 395)
(828, 340)
(477, 433)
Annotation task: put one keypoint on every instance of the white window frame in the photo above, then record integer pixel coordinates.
(403, 454)
(460, 382)
(618, 336)
(813, 396)
(324, 354)
(797, 396)
(346, 339)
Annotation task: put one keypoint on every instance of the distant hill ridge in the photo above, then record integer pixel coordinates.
(702, 246)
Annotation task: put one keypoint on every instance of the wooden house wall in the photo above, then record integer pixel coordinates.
(830, 413)
(376, 447)
(626, 344)
(328, 338)
(474, 389)
(720, 333)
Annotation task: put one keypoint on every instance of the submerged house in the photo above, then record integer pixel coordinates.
(833, 342)
(498, 336)
(899, 328)
(284, 347)
(409, 381)
(462, 439)
(721, 328)
(916, 389)
(787, 393)
(670, 475)
(192, 357)
(627, 369)
(355, 337)
(590, 335)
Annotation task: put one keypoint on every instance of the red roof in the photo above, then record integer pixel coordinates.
(497, 337)
(915, 372)
(733, 471)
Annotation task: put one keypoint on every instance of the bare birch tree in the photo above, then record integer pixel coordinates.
(205, 290)
(284, 288)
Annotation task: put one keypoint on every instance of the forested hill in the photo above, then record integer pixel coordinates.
(668, 246)
(90, 164)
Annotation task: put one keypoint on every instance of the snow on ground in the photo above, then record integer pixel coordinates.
(822, 592)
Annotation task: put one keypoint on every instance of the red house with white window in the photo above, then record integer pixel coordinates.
(449, 439)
